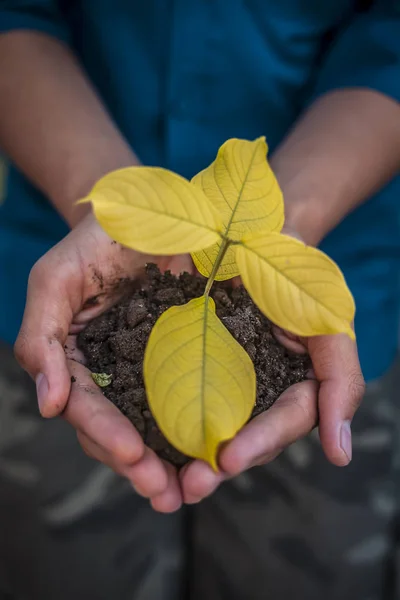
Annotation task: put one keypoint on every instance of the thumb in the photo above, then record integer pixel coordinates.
(40, 344)
(336, 366)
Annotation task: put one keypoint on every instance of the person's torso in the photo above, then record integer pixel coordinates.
(179, 78)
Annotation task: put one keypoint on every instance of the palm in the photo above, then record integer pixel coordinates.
(73, 283)
(330, 397)
(104, 433)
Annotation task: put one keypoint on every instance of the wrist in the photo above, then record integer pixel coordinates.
(303, 216)
(82, 175)
(314, 198)
(306, 205)
(328, 164)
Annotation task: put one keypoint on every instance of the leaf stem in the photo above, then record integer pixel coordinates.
(220, 256)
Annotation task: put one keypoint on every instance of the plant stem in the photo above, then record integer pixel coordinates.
(220, 256)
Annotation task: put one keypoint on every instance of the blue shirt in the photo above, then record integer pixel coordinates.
(179, 78)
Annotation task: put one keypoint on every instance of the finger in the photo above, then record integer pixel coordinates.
(337, 368)
(181, 263)
(72, 351)
(76, 328)
(236, 282)
(148, 476)
(198, 480)
(290, 341)
(100, 302)
(39, 346)
(292, 416)
(96, 452)
(89, 411)
(171, 499)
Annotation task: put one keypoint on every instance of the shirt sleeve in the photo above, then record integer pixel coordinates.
(34, 15)
(365, 54)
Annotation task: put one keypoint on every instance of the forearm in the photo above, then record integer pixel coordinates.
(344, 149)
(52, 124)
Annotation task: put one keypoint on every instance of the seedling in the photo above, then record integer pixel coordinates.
(200, 382)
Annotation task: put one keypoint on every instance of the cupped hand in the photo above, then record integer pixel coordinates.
(74, 282)
(329, 399)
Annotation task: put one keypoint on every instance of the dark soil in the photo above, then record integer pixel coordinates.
(114, 343)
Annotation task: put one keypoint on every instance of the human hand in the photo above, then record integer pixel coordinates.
(74, 282)
(329, 399)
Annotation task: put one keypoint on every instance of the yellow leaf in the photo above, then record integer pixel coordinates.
(154, 211)
(297, 287)
(200, 382)
(243, 188)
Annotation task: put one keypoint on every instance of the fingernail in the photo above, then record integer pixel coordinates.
(345, 439)
(42, 390)
(192, 499)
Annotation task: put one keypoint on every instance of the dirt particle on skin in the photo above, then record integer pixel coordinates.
(73, 379)
(115, 342)
(92, 301)
(97, 277)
